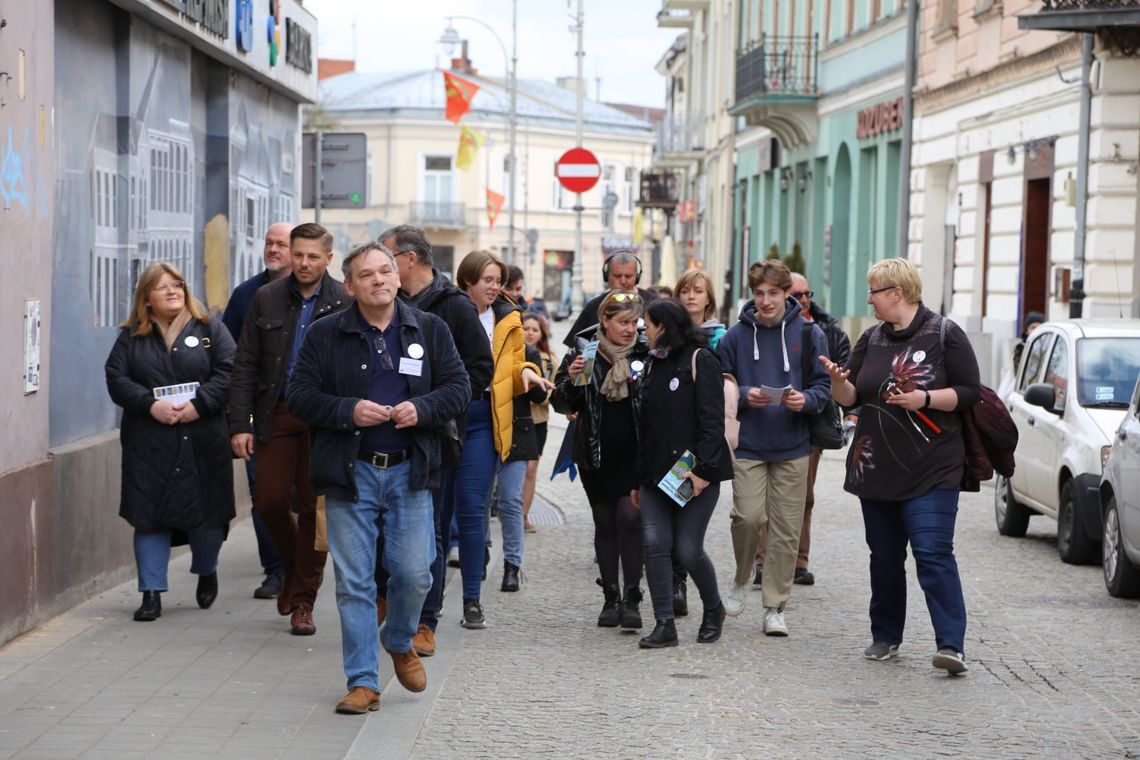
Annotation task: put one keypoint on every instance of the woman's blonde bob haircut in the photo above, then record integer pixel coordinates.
(471, 268)
(619, 302)
(693, 276)
(139, 321)
(898, 273)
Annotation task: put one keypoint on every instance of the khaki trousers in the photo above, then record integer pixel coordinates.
(768, 495)
(805, 531)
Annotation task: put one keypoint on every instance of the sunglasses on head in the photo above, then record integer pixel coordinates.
(626, 298)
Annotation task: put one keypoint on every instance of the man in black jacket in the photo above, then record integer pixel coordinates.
(376, 383)
(622, 271)
(425, 288)
(280, 315)
(839, 350)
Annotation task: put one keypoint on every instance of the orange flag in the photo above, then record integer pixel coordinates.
(494, 206)
(460, 93)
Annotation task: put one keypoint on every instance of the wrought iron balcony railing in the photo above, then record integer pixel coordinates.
(437, 215)
(1087, 5)
(680, 133)
(777, 66)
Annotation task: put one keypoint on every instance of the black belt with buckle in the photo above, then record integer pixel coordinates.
(382, 460)
(485, 395)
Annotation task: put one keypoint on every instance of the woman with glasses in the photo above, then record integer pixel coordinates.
(537, 334)
(912, 373)
(606, 399)
(170, 372)
(498, 422)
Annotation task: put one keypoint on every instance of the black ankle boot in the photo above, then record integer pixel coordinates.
(630, 603)
(711, 625)
(207, 590)
(664, 635)
(680, 597)
(510, 577)
(610, 616)
(151, 607)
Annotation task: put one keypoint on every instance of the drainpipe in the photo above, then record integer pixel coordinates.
(1077, 288)
(912, 21)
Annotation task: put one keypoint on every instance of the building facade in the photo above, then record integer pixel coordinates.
(142, 130)
(414, 177)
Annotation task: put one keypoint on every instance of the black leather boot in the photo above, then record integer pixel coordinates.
(610, 616)
(207, 590)
(510, 577)
(630, 607)
(711, 625)
(664, 635)
(151, 607)
(680, 597)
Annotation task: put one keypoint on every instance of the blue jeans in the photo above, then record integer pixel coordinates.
(927, 522)
(270, 563)
(152, 555)
(385, 504)
(434, 601)
(511, 477)
(465, 496)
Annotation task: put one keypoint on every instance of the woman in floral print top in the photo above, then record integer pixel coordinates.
(907, 458)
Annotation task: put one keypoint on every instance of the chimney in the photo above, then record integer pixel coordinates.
(462, 63)
(331, 67)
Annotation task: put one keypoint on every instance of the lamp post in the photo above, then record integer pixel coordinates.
(449, 40)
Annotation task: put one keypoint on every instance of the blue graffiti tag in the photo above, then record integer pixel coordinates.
(13, 187)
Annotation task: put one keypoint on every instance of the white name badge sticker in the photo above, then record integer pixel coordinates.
(416, 351)
(919, 355)
(411, 366)
(674, 384)
(191, 341)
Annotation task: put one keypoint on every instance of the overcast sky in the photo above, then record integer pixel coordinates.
(622, 41)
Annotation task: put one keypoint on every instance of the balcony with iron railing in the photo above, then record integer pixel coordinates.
(777, 84)
(658, 189)
(679, 136)
(1116, 18)
(437, 215)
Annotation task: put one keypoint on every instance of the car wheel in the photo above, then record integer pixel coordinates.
(1012, 518)
(1121, 577)
(1073, 544)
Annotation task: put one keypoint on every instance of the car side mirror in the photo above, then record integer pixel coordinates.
(1042, 395)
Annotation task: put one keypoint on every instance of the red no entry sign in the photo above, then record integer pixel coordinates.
(578, 170)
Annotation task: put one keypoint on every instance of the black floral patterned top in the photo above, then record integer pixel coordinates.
(898, 455)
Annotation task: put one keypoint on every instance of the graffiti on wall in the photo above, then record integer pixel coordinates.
(13, 185)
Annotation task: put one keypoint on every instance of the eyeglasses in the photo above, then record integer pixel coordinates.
(382, 349)
(803, 293)
(625, 297)
(169, 286)
(398, 254)
(873, 291)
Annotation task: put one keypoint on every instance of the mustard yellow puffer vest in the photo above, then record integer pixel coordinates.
(509, 351)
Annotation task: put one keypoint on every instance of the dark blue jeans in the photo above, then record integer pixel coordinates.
(465, 496)
(927, 523)
(677, 535)
(270, 562)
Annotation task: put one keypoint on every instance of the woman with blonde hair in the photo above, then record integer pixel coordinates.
(605, 447)
(696, 293)
(170, 372)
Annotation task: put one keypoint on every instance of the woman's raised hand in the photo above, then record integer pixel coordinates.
(838, 374)
(531, 378)
(576, 367)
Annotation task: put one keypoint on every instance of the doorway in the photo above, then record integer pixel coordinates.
(1034, 288)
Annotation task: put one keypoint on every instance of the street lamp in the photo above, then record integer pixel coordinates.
(449, 40)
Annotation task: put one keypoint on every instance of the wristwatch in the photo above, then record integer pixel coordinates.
(927, 404)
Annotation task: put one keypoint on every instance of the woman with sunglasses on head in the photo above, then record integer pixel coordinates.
(501, 423)
(537, 335)
(605, 448)
(170, 372)
(682, 410)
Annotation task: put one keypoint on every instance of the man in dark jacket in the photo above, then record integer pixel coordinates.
(426, 289)
(376, 383)
(278, 263)
(839, 351)
(622, 271)
(278, 318)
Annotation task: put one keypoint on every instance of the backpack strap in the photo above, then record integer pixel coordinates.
(805, 360)
(942, 333)
(694, 366)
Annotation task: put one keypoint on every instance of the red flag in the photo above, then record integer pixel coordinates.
(494, 206)
(460, 93)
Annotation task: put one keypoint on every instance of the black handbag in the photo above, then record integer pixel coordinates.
(827, 426)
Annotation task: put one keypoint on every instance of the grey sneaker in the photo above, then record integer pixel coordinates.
(950, 660)
(473, 615)
(881, 650)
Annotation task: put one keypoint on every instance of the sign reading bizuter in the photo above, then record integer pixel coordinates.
(880, 118)
(211, 15)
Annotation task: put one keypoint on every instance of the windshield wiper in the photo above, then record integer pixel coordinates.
(1106, 405)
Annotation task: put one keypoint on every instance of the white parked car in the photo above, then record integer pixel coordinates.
(1120, 506)
(1070, 393)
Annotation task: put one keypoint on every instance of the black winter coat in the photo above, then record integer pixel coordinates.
(524, 439)
(838, 344)
(263, 351)
(176, 477)
(678, 414)
(331, 376)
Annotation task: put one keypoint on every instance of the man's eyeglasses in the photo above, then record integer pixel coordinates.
(382, 349)
(169, 286)
(626, 298)
(873, 291)
(803, 293)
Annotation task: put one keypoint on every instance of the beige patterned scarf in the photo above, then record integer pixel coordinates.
(615, 387)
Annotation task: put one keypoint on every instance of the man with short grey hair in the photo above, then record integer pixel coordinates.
(622, 272)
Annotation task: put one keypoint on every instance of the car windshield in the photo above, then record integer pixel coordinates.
(1107, 369)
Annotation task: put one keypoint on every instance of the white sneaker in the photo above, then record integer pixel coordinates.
(453, 557)
(734, 602)
(774, 624)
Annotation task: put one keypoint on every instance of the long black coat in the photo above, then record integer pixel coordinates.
(176, 477)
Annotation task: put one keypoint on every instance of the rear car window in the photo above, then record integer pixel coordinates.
(1107, 369)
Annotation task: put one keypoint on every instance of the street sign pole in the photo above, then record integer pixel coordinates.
(576, 297)
(318, 188)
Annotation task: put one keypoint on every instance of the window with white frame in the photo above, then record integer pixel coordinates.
(627, 190)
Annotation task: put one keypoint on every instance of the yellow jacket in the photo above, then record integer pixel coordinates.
(508, 348)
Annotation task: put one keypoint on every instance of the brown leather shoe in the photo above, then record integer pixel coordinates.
(359, 701)
(301, 622)
(409, 670)
(381, 610)
(284, 599)
(424, 641)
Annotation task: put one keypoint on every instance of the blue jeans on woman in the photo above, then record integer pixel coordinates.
(407, 520)
(152, 554)
(511, 477)
(927, 522)
(465, 496)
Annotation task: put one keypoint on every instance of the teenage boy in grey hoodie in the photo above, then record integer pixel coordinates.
(770, 473)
